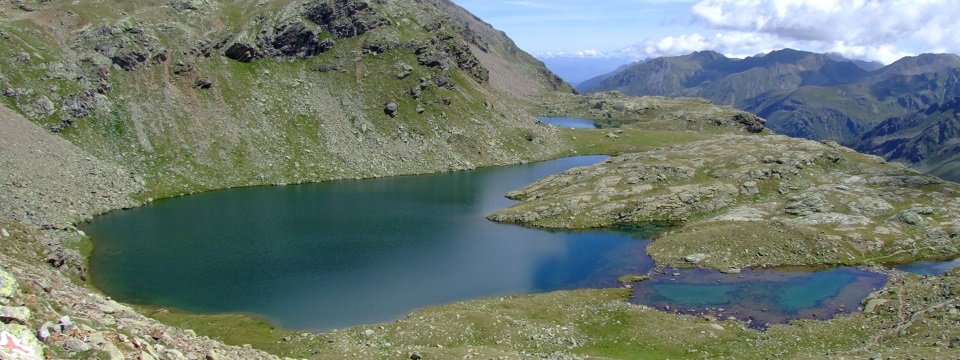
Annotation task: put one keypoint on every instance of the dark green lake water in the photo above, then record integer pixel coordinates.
(345, 253)
(349, 252)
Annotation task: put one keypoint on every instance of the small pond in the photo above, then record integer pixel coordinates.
(930, 268)
(759, 297)
(568, 122)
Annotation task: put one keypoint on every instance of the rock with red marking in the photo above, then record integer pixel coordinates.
(18, 343)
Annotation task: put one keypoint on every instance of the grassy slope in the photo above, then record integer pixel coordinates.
(269, 121)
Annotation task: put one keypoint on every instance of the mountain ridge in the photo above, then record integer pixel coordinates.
(761, 84)
(799, 93)
(175, 92)
(928, 140)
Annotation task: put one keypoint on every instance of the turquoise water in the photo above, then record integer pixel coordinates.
(344, 253)
(569, 122)
(760, 297)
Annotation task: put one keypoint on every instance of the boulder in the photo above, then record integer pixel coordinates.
(909, 217)
(431, 58)
(76, 345)
(65, 324)
(391, 109)
(242, 52)
(203, 84)
(695, 258)
(45, 106)
(750, 122)
(405, 70)
(211, 355)
(43, 333)
(444, 82)
(18, 343)
(15, 313)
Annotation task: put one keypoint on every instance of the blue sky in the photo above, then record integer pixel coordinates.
(882, 30)
(571, 26)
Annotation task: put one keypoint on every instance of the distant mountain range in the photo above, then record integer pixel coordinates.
(576, 69)
(819, 96)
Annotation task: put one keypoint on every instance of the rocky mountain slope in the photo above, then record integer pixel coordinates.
(107, 104)
(801, 94)
(197, 95)
(928, 140)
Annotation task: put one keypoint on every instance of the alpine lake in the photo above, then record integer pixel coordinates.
(345, 253)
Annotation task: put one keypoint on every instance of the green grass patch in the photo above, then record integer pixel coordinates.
(231, 329)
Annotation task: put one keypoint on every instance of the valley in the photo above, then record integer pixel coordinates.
(110, 105)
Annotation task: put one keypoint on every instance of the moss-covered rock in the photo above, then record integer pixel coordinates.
(8, 286)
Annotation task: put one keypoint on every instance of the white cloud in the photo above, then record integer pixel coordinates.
(871, 29)
(735, 44)
(741, 44)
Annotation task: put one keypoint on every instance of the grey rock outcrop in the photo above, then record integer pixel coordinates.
(910, 218)
(345, 18)
(870, 206)
(129, 46)
(807, 203)
(308, 33)
(294, 39)
(446, 49)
